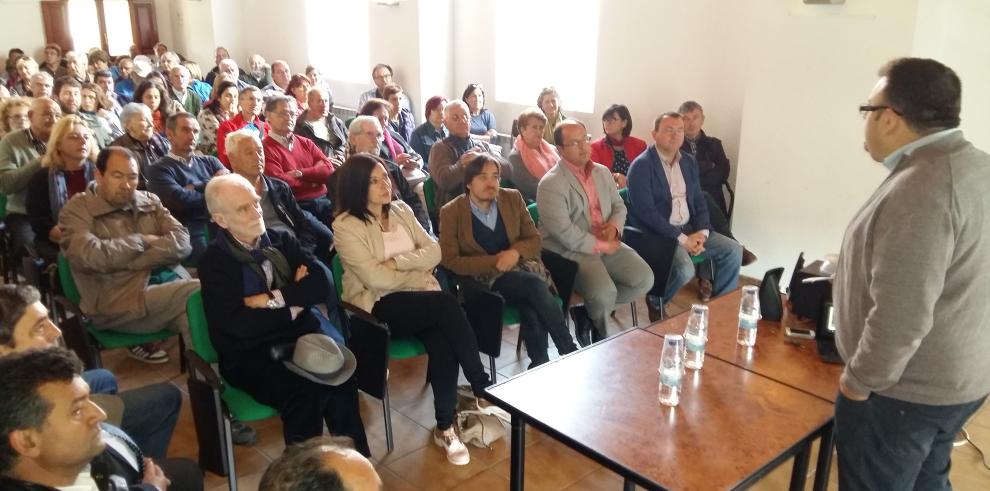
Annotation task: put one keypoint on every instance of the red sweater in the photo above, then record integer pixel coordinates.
(601, 150)
(305, 157)
(231, 125)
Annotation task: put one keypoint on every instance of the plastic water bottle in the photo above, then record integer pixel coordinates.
(671, 369)
(749, 314)
(695, 337)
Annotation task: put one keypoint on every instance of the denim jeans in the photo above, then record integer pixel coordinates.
(150, 414)
(539, 314)
(723, 251)
(100, 381)
(886, 443)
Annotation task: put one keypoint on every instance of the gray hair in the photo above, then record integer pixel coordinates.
(172, 56)
(43, 75)
(181, 68)
(234, 138)
(357, 125)
(214, 190)
(228, 62)
(273, 102)
(133, 109)
(689, 106)
(455, 103)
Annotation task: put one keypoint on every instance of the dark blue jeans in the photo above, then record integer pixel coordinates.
(886, 443)
(539, 314)
(150, 414)
(320, 208)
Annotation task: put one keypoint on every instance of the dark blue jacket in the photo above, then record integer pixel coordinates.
(649, 195)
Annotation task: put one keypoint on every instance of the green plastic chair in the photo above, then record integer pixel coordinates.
(396, 348)
(217, 398)
(102, 338)
(430, 195)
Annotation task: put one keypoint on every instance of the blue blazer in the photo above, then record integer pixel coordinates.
(649, 195)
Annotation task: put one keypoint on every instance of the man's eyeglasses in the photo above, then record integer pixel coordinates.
(866, 109)
(577, 143)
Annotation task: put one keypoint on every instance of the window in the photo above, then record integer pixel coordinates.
(526, 58)
(80, 25)
(337, 37)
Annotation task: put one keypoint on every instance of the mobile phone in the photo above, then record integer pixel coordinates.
(795, 332)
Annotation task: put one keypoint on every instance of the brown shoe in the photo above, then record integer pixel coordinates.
(656, 314)
(748, 257)
(704, 289)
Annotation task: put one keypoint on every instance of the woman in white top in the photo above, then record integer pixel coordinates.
(388, 264)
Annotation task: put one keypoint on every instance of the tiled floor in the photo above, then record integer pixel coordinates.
(417, 464)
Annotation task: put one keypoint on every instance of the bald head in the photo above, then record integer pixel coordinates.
(235, 206)
(43, 115)
(321, 464)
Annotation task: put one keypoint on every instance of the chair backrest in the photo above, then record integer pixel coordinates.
(337, 269)
(199, 329)
(430, 195)
(534, 212)
(657, 251)
(69, 288)
(624, 194)
(3, 206)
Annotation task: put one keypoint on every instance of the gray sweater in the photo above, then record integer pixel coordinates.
(912, 288)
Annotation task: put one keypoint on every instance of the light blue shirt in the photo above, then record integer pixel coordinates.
(894, 158)
(489, 218)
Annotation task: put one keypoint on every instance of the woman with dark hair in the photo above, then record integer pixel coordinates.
(152, 93)
(431, 131)
(298, 89)
(388, 261)
(617, 149)
(221, 107)
(482, 120)
(95, 103)
(549, 102)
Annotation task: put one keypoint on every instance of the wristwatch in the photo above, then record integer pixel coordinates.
(272, 303)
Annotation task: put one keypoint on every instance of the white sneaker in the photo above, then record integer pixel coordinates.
(457, 453)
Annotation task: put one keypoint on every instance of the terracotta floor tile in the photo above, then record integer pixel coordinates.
(551, 465)
(428, 469)
(485, 481)
(599, 479)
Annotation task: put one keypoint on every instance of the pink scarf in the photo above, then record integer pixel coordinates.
(537, 162)
(393, 147)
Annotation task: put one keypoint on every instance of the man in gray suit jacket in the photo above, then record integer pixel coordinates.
(911, 287)
(581, 218)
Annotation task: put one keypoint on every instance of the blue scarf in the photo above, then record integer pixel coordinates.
(58, 190)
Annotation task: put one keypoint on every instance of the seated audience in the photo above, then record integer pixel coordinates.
(110, 99)
(381, 75)
(259, 291)
(167, 62)
(531, 157)
(618, 148)
(150, 411)
(95, 105)
(258, 73)
(221, 107)
(249, 106)
(316, 78)
(401, 119)
(431, 131)
(549, 102)
(321, 464)
(221, 54)
(179, 180)
(299, 89)
(126, 85)
(152, 93)
(488, 235)
(179, 91)
(122, 68)
(53, 59)
(229, 68)
(42, 84)
(76, 66)
(393, 147)
(365, 136)
(158, 51)
(449, 156)
(66, 170)
(9, 76)
(26, 67)
(280, 209)
(388, 261)
(281, 75)
(20, 153)
(667, 200)
(56, 437)
(140, 138)
(14, 115)
(322, 126)
(196, 83)
(297, 160)
(482, 120)
(68, 93)
(609, 272)
(124, 249)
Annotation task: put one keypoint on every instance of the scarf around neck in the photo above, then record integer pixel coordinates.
(58, 187)
(537, 162)
(255, 281)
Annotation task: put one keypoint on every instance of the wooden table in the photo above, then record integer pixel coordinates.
(732, 427)
(793, 362)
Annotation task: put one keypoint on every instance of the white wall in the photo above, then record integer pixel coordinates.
(22, 27)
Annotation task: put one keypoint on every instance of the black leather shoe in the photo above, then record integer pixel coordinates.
(242, 434)
(582, 325)
(596, 335)
(656, 313)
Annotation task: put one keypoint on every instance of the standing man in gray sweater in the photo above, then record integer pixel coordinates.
(911, 288)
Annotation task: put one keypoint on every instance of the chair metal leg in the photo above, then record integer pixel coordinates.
(491, 366)
(633, 314)
(387, 407)
(229, 452)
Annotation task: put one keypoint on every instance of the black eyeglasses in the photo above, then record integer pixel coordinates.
(866, 109)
